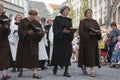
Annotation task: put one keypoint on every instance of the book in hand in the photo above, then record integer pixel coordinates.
(73, 29)
(70, 28)
(94, 30)
(3, 21)
(34, 28)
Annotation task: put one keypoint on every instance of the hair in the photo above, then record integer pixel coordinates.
(49, 20)
(63, 8)
(1, 5)
(85, 12)
(113, 24)
(37, 18)
(43, 19)
(33, 12)
(17, 16)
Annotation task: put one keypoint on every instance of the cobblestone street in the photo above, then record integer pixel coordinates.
(104, 73)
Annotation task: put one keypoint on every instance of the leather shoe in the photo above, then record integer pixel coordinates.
(55, 70)
(66, 74)
(43, 68)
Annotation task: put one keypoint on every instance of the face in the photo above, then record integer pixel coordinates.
(65, 12)
(33, 17)
(89, 14)
(113, 27)
(1, 9)
(18, 18)
(49, 22)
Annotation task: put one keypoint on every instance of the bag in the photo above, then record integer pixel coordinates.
(101, 45)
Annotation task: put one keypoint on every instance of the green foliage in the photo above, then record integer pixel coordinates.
(84, 6)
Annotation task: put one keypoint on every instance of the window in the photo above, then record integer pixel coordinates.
(10, 16)
(95, 2)
(105, 20)
(100, 1)
(100, 21)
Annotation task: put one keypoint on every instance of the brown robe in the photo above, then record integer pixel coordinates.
(89, 55)
(27, 51)
(4, 45)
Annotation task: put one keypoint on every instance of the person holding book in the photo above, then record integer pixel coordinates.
(29, 37)
(89, 32)
(4, 44)
(63, 36)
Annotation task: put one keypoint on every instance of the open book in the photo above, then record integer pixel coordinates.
(3, 21)
(94, 30)
(70, 28)
(34, 28)
(73, 29)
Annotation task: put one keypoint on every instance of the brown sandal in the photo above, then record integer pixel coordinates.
(84, 72)
(37, 76)
(5, 77)
(92, 74)
(20, 73)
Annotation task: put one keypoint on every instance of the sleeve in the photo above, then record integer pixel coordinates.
(72, 33)
(116, 46)
(99, 37)
(51, 35)
(58, 32)
(39, 37)
(6, 31)
(21, 30)
(11, 35)
(82, 32)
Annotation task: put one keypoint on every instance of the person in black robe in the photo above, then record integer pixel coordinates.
(5, 54)
(47, 28)
(63, 36)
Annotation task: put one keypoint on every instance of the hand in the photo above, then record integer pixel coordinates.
(6, 26)
(15, 31)
(31, 32)
(40, 33)
(66, 31)
(91, 33)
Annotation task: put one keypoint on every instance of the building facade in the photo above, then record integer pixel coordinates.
(99, 8)
(115, 11)
(105, 11)
(13, 7)
(75, 6)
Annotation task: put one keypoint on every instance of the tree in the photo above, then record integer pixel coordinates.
(84, 6)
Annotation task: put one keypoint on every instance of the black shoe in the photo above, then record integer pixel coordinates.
(61, 66)
(55, 70)
(43, 68)
(66, 74)
(13, 70)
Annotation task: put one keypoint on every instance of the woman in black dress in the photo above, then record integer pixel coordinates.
(63, 36)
